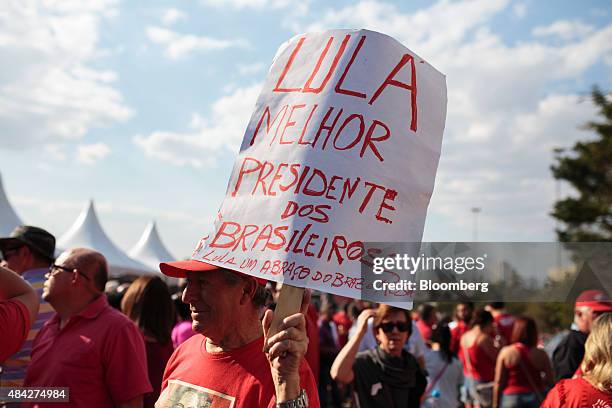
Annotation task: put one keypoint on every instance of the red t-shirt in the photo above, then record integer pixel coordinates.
(504, 323)
(14, 327)
(457, 329)
(238, 378)
(576, 393)
(425, 330)
(312, 331)
(343, 323)
(99, 355)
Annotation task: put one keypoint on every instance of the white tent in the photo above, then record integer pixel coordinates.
(8, 217)
(149, 249)
(87, 232)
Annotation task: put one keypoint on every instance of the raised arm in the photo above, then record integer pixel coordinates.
(13, 287)
(286, 350)
(342, 369)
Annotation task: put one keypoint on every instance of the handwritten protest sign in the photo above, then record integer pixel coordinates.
(342, 148)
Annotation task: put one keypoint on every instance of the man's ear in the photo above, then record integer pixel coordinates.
(248, 290)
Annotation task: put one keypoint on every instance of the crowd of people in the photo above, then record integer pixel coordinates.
(141, 342)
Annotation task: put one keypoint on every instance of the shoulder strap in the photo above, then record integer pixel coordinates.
(434, 382)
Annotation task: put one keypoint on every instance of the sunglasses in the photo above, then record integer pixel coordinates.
(63, 269)
(388, 327)
(8, 252)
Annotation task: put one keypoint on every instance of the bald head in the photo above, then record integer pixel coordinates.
(89, 262)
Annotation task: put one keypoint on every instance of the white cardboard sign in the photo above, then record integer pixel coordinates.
(342, 148)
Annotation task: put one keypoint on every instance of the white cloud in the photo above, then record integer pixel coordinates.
(92, 153)
(520, 10)
(255, 4)
(48, 90)
(172, 15)
(250, 68)
(197, 148)
(503, 121)
(434, 29)
(56, 152)
(564, 29)
(179, 45)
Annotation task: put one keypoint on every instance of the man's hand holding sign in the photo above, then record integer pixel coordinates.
(342, 148)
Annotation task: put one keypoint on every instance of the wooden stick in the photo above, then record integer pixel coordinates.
(289, 302)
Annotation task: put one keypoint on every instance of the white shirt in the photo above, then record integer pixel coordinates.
(448, 384)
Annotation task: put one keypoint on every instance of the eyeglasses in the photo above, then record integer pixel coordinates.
(63, 269)
(388, 327)
(8, 252)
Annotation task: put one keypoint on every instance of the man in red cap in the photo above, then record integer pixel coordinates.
(569, 353)
(224, 365)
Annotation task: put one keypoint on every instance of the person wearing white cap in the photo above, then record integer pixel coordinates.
(224, 363)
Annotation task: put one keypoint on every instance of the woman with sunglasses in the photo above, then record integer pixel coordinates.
(387, 376)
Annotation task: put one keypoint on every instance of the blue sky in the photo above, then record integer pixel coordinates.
(142, 105)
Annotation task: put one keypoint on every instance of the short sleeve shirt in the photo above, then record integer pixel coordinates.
(577, 393)
(14, 326)
(238, 378)
(99, 355)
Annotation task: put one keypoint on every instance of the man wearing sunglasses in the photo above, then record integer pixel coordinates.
(87, 346)
(28, 251)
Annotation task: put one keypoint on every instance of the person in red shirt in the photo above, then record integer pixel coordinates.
(18, 307)
(594, 389)
(503, 321)
(463, 315)
(523, 372)
(87, 346)
(343, 324)
(478, 354)
(147, 302)
(224, 365)
(427, 319)
(27, 251)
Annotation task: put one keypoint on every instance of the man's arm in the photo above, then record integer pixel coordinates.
(13, 287)
(342, 368)
(126, 383)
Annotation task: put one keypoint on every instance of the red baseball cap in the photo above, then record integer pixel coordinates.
(597, 300)
(179, 269)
